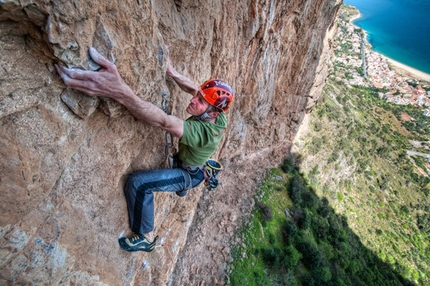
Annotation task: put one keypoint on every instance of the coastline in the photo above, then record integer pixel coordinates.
(394, 65)
(355, 18)
(406, 70)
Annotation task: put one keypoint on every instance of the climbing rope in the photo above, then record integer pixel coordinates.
(170, 148)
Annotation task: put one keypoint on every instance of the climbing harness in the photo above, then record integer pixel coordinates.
(169, 149)
(210, 172)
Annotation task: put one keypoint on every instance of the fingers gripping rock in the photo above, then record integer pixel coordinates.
(80, 104)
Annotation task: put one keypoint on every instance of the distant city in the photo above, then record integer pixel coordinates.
(369, 68)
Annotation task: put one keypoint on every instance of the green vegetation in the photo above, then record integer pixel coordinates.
(296, 238)
(348, 12)
(354, 207)
(353, 162)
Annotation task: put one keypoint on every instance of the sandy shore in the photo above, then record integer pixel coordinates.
(355, 18)
(407, 70)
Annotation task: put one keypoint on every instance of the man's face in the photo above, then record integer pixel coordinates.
(197, 105)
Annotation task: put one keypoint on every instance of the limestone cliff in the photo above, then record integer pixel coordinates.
(65, 156)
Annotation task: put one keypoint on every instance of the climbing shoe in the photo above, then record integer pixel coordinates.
(137, 243)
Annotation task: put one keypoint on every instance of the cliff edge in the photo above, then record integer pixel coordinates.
(65, 156)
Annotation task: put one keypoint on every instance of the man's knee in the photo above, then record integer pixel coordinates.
(133, 182)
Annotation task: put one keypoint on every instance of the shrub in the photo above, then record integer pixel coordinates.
(311, 256)
(272, 257)
(324, 208)
(289, 232)
(309, 199)
(288, 166)
(333, 157)
(322, 274)
(302, 218)
(295, 190)
(404, 209)
(266, 211)
(320, 227)
(313, 174)
(292, 257)
(316, 144)
(423, 222)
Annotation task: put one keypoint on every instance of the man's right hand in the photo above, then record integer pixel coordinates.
(170, 71)
(106, 82)
(182, 81)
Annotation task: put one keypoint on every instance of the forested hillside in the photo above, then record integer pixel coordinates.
(351, 205)
(352, 208)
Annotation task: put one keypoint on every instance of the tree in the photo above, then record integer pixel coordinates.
(295, 190)
(302, 218)
(289, 232)
(292, 257)
(312, 258)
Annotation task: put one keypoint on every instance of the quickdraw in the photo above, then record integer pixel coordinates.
(170, 148)
(164, 102)
(210, 171)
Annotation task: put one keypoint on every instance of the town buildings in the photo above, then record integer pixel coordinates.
(368, 68)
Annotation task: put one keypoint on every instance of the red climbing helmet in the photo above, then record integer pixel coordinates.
(217, 93)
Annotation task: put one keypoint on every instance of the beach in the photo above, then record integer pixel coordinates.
(397, 30)
(355, 63)
(407, 70)
(396, 66)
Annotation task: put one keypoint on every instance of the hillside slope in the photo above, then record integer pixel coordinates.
(350, 205)
(369, 158)
(357, 155)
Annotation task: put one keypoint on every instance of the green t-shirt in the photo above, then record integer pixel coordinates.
(200, 139)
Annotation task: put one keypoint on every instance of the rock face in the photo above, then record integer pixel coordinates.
(65, 156)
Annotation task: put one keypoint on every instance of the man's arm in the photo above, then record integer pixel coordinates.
(182, 81)
(107, 82)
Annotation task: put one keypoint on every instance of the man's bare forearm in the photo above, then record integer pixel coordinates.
(182, 81)
(142, 109)
(107, 82)
(149, 113)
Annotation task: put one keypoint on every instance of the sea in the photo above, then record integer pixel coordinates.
(398, 29)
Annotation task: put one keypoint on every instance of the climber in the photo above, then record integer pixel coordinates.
(199, 136)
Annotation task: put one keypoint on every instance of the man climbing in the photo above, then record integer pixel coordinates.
(199, 136)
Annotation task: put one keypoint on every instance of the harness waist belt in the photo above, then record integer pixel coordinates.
(192, 167)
